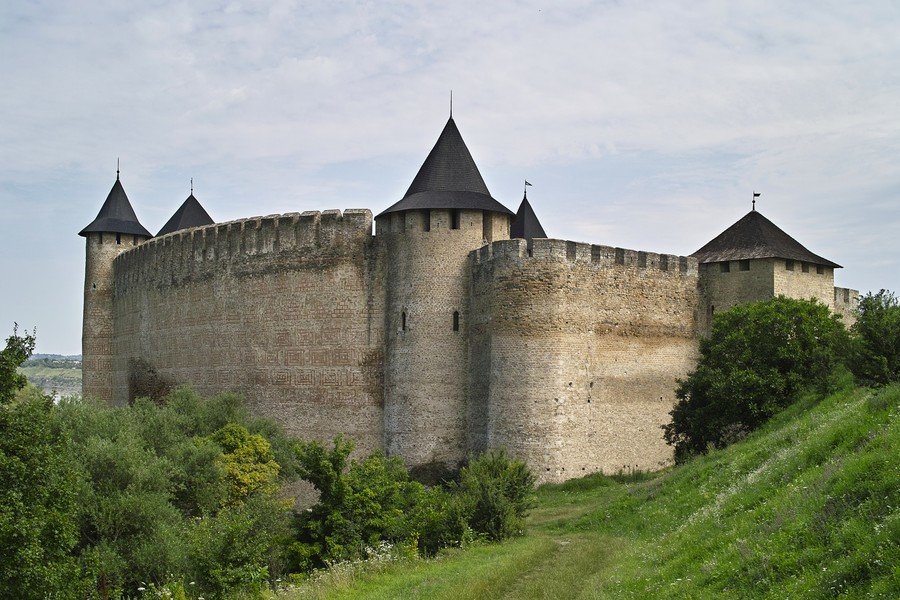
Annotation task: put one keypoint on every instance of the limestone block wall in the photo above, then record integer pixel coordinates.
(427, 328)
(737, 283)
(574, 353)
(97, 338)
(803, 281)
(846, 301)
(286, 310)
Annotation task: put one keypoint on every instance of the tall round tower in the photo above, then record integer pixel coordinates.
(426, 237)
(115, 230)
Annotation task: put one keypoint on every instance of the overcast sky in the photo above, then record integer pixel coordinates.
(642, 125)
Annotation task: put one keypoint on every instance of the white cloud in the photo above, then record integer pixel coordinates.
(316, 104)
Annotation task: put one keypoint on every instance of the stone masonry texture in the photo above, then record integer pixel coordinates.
(433, 338)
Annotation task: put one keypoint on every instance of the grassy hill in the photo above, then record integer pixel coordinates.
(54, 373)
(808, 507)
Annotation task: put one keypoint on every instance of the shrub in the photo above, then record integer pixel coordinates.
(239, 550)
(757, 360)
(499, 492)
(361, 503)
(176, 488)
(876, 341)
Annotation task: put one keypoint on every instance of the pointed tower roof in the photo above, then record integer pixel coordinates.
(526, 225)
(448, 178)
(754, 236)
(116, 215)
(189, 214)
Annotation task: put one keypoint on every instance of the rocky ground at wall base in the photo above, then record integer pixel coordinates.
(808, 507)
(56, 374)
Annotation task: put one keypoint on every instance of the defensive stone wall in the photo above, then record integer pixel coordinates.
(846, 301)
(574, 353)
(727, 284)
(284, 309)
(796, 279)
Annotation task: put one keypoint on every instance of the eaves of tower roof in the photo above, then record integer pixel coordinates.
(116, 215)
(755, 236)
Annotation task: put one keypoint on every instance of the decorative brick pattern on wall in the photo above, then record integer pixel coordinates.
(286, 310)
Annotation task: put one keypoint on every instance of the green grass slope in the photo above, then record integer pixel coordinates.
(808, 507)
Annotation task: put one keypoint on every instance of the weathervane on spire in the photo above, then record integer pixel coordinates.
(527, 185)
(192, 186)
(117, 168)
(755, 196)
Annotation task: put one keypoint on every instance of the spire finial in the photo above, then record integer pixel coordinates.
(755, 196)
(192, 186)
(451, 104)
(525, 195)
(117, 168)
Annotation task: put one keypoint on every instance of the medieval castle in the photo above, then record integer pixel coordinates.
(455, 327)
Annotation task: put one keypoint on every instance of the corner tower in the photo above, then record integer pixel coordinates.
(754, 260)
(115, 230)
(426, 238)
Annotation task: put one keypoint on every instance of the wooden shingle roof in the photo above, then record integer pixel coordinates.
(526, 224)
(116, 215)
(189, 214)
(754, 236)
(448, 178)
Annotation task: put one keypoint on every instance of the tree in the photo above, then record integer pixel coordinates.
(876, 339)
(40, 480)
(757, 360)
(18, 349)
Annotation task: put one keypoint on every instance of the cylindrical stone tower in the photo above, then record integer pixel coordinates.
(115, 230)
(426, 239)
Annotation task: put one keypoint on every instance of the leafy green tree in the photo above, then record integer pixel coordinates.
(18, 349)
(39, 481)
(758, 358)
(876, 341)
(248, 462)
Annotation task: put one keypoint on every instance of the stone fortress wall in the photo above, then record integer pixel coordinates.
(564, 353)
(286, 310)
(435, 338)
(575, 352)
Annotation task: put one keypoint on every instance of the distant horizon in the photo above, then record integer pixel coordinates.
(642, 127)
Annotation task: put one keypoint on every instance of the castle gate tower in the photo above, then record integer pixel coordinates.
(425, 239)
(115, 230)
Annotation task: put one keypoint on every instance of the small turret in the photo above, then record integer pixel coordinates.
(115, 230)
(189, 214)
(526, 225)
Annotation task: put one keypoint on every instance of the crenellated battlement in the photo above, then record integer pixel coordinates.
(577, 252)
(210, 249)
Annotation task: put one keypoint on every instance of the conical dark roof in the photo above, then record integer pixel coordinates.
(448, 178)
(189, 214)
(526, 225)
(116, 215)
(755, 236)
